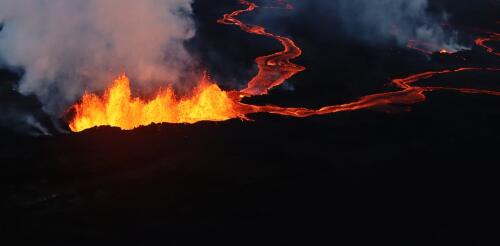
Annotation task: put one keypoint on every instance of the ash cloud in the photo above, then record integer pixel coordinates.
(67, 47)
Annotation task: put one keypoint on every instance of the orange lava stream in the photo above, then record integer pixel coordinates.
(493, 37)
(274, 69)
(407, 96)
(261, 84)
(207, 102)
(416, 45)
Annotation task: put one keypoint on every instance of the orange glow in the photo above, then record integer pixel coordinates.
(274, 69)
(427, 48)
(482, 42)
(420, 46)
(118, 108)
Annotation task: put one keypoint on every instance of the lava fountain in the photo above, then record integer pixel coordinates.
(118, 108)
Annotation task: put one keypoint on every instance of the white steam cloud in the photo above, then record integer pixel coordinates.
(68, 46)
(402, 19)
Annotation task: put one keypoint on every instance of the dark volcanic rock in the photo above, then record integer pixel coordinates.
(309, 180)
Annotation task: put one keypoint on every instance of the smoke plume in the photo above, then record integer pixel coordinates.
(66, 47)
(373, 21)
(400, 19)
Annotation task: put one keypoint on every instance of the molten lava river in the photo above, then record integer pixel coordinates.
(207, 102)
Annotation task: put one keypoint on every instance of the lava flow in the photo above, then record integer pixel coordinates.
(274, 69)
(208, 102)
(408, 95)
(420, 46)
(493, 37)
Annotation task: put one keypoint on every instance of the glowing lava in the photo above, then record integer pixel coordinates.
(274, 69)
(420, 46)
(427, 48)
(408, 95)
(118, 108)
(444, 51)
(207, 102)
(493, 37)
